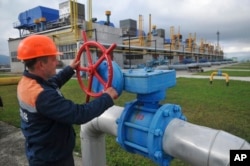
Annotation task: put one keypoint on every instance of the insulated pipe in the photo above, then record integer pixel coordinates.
(196, 145)
(9, 80)
(93, 137)
(199, 145)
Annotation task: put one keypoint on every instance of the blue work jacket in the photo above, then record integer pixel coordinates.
(47, 117)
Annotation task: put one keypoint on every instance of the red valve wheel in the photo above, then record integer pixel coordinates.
(91, 68)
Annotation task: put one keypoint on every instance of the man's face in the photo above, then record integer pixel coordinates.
(50, 66)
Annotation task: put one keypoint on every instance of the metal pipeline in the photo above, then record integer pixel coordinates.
(9, 80)
(193, 144)
(73, 6)
(93, 136)
(199, 145)
(219, 73)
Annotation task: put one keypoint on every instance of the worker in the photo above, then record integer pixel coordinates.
(46, 116)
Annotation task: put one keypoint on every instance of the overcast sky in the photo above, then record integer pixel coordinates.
(203, 17)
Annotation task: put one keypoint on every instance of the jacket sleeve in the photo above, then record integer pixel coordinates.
(51, 105)
(62, 77)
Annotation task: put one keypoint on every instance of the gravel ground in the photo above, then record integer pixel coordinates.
(11, 146)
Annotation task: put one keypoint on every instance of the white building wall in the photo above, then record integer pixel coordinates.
(16, 66)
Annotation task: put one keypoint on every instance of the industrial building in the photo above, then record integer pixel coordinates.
(135, 47)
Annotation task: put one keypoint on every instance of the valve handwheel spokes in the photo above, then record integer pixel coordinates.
(91, 68)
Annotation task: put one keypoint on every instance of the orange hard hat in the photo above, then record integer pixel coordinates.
(35, 46)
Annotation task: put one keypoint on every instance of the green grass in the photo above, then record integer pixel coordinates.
(243, 66)
(216, 106)
(11, 108)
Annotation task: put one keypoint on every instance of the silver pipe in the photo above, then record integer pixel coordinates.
(199, 145)
(196, 145)
(93, 136)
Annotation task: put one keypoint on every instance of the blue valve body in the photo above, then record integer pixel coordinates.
(141, 128)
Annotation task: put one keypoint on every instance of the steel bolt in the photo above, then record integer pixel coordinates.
(176, 108)
(158, 154)
(158, 132)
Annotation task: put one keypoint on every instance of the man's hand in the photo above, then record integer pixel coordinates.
(112, 92)
(74, 64)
